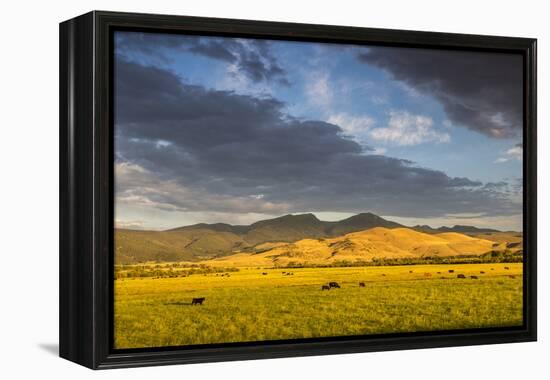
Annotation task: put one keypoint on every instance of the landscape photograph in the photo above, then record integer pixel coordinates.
(269, 190)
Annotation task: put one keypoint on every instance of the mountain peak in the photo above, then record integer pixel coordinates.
(307, 216)
(290, 219)
(364, 215)
(368, 219)
(465, 229)
(456, 228)
(219, 227)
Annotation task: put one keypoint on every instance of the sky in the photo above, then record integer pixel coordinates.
(214, 129)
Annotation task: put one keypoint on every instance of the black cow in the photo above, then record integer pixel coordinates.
(325, 287)
(361, 284)
(198, 301)
(460, 276)
(451, 271)
(506, 268)
(473, 277)
(334, 285)
(265, 274)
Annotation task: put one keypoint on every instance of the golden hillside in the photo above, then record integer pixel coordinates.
(200, 242)
(366, 245)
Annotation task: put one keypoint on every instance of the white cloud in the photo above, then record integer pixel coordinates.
(448, 124)
(139, 187)
(356, 127)
(405, 128)
(379, 99)
(500, 160)
(379, 151)
(409, 90)
(129, 224)
(237, 81)
(498, 119)
(514, 153)
(318, 89)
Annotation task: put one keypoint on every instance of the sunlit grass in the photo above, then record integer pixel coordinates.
(250, 306)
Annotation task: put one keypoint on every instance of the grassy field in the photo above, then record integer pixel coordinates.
(250, 306)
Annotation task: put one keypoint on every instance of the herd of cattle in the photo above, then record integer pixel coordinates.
(331, 285)
(335, 285)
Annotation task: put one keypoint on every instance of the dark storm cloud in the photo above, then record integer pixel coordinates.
(480, 91)
(238, 152)
(253, 58)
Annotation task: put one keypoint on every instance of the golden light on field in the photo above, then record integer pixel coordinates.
(257, 304)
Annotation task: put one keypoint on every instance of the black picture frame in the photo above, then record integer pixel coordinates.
(86, 189)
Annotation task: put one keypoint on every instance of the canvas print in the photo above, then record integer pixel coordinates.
(269, 190)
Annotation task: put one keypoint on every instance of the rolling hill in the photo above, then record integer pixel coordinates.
(189, 245)
(203, 241)
(366, 245)
(456, 228)
(206, 241)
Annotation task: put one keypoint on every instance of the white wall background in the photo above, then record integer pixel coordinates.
(29, 190)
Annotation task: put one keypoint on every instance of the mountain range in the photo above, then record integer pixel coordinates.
(367, 245)
(206, 241)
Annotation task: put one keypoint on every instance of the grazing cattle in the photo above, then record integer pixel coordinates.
(383, 274)
(427, 274)
(410, 271)
(198, 301)
(451, 271)
(511, 276)
(325, 287)
(265, 274)
(334, 285)
(473, 277)
(361, 284)
(492, 268)
(481, 272)
(460, 276)
(506, 268)
(283, 272)
(438, 272)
